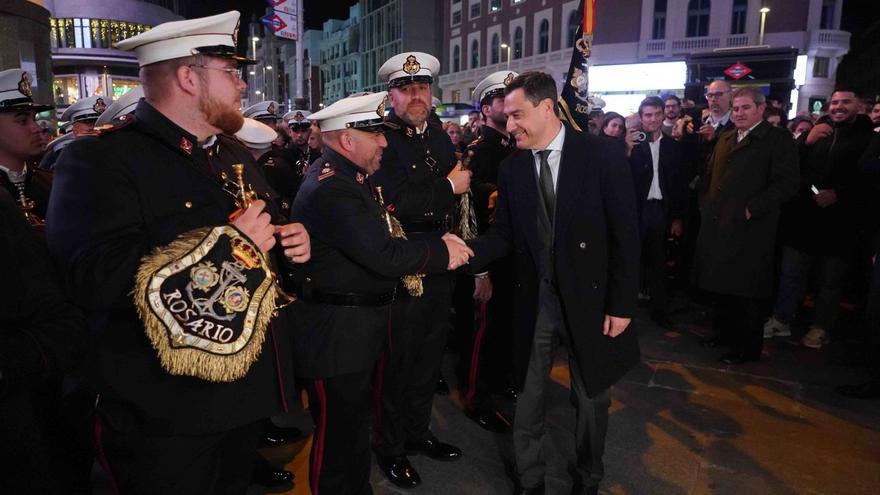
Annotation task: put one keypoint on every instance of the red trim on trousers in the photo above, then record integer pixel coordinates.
(97, 430)
(320, 436)
(475, 357)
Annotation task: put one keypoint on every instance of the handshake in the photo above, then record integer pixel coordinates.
(459, 252)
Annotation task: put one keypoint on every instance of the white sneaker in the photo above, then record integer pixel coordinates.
(815, 338)
(775, 328)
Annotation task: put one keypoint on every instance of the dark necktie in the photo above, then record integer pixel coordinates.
(545, 183)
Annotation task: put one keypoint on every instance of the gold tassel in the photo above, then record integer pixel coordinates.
(466, 227)
(412, 283)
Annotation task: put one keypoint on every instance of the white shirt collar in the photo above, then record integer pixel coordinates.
(15, 177)
(556, 144)
(723, 120)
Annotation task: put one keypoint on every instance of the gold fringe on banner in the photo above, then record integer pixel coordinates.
(182, 353)
(412, 283)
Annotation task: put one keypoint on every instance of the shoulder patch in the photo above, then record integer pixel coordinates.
(327, 174)
(476, 142)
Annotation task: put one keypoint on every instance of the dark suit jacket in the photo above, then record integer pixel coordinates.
(596, 252)
(673, 184)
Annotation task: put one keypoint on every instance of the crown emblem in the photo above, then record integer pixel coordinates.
(380, 110)
(271, 108)
(508, 79)
(24, 86)
(99, 106)
(412, 65)
(299, 117)
(245, 254)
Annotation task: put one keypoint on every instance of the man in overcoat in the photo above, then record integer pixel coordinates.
(751, 172)
(566, 209)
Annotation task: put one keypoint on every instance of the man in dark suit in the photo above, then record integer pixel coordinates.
(660, 191)
(567, 211)
(752, 171)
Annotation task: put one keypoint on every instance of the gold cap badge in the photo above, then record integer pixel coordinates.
(508, 79)
(412, 65)
(381, 108)
(24, 86)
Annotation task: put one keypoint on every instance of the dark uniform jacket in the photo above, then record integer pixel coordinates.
(282, 175)
(41, 336)
(117, 196)
(673, 184)
(413, 176)
(353, 255)
(37, 186)
(489, 150)
(734, 256)
(829, 163)
(595, 252)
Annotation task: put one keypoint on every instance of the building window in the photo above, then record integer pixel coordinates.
(456, 95)
(659, 28)
(738, 19)
(456, 59)
(475, 9)
(518, 43)
(820, 67)
(456, 18)
(475, 54)
(494, 6)
(495, 48)
(91, 33)
(574, 23)
(544, 37)
(829, 7)
(698, 18)
(65, 90)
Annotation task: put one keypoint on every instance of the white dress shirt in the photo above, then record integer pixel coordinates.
(654, 192)
(554, 158)
(740, 135)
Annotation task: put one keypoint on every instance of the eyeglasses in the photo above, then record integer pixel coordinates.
(235, 72)
(716, 95)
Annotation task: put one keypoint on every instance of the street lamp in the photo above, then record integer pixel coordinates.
(763, 11)
(507, 47)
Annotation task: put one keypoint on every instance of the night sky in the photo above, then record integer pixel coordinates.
(316, 11)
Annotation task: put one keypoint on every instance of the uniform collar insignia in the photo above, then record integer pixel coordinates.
(186, 145)
(359, 177)
(410, 131)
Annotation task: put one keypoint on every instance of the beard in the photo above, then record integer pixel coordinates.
(229, 120)
(416, 113)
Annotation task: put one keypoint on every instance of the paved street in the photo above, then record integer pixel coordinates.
(681, 423)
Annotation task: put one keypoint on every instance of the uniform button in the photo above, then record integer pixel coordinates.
(595, 285)
(308, 279)
(583, 245)
(414, 166)
(188, 204)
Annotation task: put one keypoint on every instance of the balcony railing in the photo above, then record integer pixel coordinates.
(830, 39)
(682, 46)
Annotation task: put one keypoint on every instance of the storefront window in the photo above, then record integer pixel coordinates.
(122, 86)
(65, 90)
(91, 33)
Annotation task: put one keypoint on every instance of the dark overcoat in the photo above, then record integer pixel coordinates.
(734, 255)
(595, 254)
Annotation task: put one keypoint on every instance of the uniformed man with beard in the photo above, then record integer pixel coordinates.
(420, 185)
(299, 126)
(180, 402)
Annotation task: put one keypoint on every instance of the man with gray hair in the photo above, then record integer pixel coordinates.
(751, 172)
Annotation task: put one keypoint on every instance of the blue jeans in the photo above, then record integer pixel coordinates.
(796, 266)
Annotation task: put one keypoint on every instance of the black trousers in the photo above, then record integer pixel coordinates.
(591, 413)
(138, 463)
(408, 371)
(339, 462)
(653, 235)
(739, 323)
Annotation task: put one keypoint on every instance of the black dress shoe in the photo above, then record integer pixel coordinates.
(867, 390)
(661, 319)
(274, 435)
(399, 471)
(490, 420)
(433, 448)
(535, 490)
(737, 357)
(272, 479)
(442, 387)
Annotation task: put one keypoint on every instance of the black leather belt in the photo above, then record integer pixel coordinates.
(345, 299)
(423, 226)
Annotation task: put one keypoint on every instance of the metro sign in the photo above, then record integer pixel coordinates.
(737, 71)
(274, 21)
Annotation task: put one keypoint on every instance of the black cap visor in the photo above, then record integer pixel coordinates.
(223, 51)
